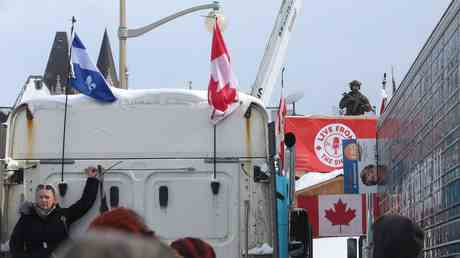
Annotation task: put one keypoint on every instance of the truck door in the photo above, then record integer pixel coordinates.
(182, 204)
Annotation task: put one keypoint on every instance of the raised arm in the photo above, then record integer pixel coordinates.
(84, 204)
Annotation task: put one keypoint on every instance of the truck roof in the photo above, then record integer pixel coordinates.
(157, 123)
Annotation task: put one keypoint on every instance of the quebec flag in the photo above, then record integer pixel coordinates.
(86, 77)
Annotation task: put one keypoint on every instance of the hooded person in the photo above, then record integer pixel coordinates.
(396, 236)
(44, 225)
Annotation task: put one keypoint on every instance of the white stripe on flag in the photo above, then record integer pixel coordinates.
(80, 57)
(221, 72)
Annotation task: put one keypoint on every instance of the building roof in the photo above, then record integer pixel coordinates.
(57, 70)
(105, 62)
(330, 186)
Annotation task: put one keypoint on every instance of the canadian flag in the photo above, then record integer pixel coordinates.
(222, 84)
(337, 215)
(281, 115)
(280, 126)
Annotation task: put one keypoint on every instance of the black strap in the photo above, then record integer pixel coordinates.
(103, 207)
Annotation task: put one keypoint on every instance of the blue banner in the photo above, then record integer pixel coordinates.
(351, 155)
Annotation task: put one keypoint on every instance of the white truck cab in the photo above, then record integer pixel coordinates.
(166, 155)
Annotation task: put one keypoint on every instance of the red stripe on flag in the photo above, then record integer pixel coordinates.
(222, 84)
(310, 203)
(218, 44)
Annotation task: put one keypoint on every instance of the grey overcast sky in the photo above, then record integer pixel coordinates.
(333, 43)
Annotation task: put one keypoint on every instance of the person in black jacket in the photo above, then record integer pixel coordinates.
(43, 225)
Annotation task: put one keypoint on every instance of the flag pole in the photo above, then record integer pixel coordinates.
(370, 220)
(215, 153)
(384, 94)
(393, 83)
(215, 185)
(62, 185)
(282, 77)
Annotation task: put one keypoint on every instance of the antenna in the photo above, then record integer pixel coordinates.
(293, 98)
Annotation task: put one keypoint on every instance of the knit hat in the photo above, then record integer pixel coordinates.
(193, 248)
(396, 237)
(121, 219)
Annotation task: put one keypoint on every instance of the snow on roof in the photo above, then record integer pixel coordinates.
(133, 96)
(31, 91)
(314, 178)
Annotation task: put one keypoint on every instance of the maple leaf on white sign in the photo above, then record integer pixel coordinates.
(340, 216)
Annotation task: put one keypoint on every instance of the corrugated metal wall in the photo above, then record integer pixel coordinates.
(419, 140)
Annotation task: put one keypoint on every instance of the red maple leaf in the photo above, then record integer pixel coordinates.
(341, 216)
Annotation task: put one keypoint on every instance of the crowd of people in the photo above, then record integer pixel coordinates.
(42, 231)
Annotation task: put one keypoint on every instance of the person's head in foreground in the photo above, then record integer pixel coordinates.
(396, 236)
(114, 245)
(189, 247)
(122, 219)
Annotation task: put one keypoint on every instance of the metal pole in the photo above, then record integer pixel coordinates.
(122, 30)
(66, 89)
(124, 33)
(369, 241)
(246, 225)
(215, 153)
(291, 177)
(2, 201)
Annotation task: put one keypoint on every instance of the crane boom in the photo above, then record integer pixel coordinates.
(275, 51)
